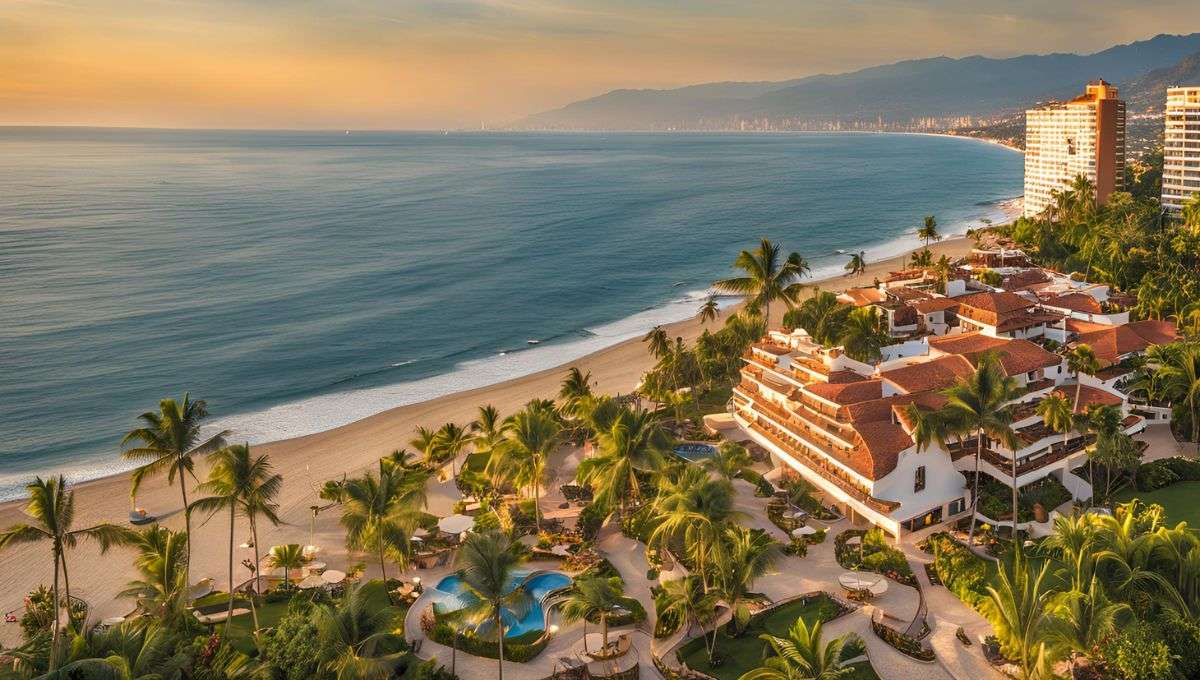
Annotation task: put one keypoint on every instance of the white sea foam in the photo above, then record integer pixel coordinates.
(326, 411)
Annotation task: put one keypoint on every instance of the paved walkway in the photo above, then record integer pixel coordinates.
(1163, 444)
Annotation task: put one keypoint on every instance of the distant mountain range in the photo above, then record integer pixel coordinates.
(906, 93)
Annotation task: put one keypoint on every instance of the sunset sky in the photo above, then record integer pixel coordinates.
(450, 63)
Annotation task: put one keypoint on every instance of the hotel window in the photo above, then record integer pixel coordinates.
(919, 479)
(957, 506)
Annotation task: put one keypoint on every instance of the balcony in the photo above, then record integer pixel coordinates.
(827, 472)
(801, 427)
(1056, 453)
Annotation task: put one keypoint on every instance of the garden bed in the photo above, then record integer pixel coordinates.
(902, 643)
(873, 554)
(745, 652)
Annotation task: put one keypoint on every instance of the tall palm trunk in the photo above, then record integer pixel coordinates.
(603, 628)
(229, 611)
(257, 572)
(54, 623)
(66, 584)
(187, 525)
(975, 489)
(382, 562)
(1015, 515)
(1067, 436)
(500, 641)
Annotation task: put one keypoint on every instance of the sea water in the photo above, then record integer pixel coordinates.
(301, 280)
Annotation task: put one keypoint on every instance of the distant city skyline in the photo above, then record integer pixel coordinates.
(462, 63)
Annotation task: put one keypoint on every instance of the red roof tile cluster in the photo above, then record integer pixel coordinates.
(1016, 356)
(1024, 279)
(938, 304)
(1088, 396)
(882, 441)
(861, 297)
(1113, 342)
(996, 303)
(1076, 302)
(929, 375)
(847, 393)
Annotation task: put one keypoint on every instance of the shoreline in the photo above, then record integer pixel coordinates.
(307, 461)
(261, 426)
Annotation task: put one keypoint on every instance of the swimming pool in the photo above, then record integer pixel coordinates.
(695, 452)
(446, 598)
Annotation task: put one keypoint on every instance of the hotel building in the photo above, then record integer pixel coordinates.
(845, 426)
(1084, 136)
(1181, 148)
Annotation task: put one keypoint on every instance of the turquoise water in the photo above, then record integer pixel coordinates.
(538, 587)
(299, 281)
(695, 452)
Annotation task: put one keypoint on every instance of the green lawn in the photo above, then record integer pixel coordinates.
(1179, 500)
(746, 652)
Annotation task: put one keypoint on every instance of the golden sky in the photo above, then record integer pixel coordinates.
(449, 63)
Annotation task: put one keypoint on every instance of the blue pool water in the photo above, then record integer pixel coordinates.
(695, 452)
(299, 281)
(542, 584)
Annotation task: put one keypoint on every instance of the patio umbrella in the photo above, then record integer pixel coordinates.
(333, 576)
(803, 531)
(313, 581)
(456, 524)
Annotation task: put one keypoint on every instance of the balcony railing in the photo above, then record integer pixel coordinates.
(1056, 453)
(824, 469)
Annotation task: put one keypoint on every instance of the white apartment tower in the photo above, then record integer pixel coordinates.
(1181, 148)
(1084, 136)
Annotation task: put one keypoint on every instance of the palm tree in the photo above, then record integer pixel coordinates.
(1114, 449)
(168, 441)
(162, 564)
(488, 429)
(658, 341)
(697, 509)
(632, 445)
(687, 600)
(240, 483)
(1181, 384)
(766, 278)
(449, 443)
(52, 508)
(821, 315)
(1081, 359)
(362, 632)
(977, 404)
(857, 264)
(425, 440)
(531, 437)
(574, 389)
(1017, 609)
(287, 557)
(381, 511)
(730, 460)
(708, 310)
(595, 596)
(1082, 620)
(864, 335)
(486, 563)
(129, 650)
(803, 656)
(929, 232)
(744, 556)
(1057, 414)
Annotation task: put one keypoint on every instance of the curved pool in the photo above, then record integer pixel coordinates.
(695, 452)
(447, 593)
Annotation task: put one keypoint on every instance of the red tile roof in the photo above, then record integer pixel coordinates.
(844, 376)
(860, 297)
(881, 442)
(1088, 396)
(847, 393)
(1113, 342)
(1016, 356)
(1081, 326)
(996, 303)
(965, 343)
(1024, 279)
(935, 305)
(929, 375)
(1076, 302)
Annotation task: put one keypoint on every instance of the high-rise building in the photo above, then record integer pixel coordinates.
(1181, 147)
(1084, 136)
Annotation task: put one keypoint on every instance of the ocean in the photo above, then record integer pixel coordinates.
(301, 280)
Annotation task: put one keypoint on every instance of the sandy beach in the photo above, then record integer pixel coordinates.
(306, 462)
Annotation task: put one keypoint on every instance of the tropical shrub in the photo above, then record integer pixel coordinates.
(293, 649)
(1137, 654)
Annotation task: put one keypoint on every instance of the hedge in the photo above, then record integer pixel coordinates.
(519, 649)
(902, 643)
(1166, 471)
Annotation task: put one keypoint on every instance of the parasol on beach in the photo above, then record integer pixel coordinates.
(456, 524)
(333, 576)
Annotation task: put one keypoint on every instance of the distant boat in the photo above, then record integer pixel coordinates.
(677, 284)
(839, 251)
(532, 342)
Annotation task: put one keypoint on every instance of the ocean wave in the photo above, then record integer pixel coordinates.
(327, 411)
